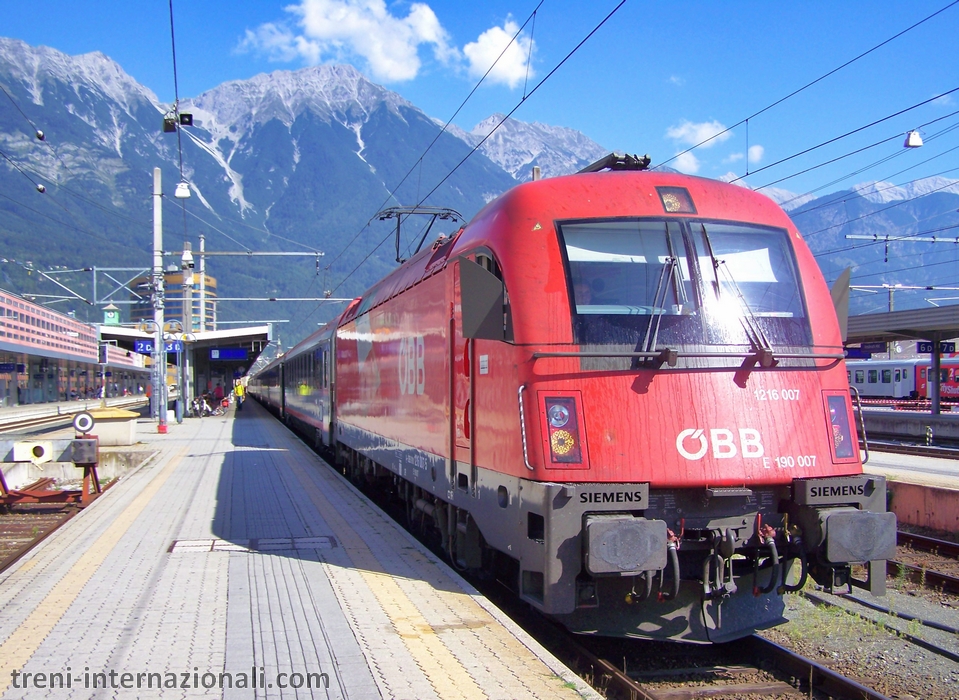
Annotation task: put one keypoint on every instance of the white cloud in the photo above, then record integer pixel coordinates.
(677, 80)
(733, 158)
(340, 29)
(687, 163)
(511, 68)
(756, 153)
(693, 134)
(944, 100)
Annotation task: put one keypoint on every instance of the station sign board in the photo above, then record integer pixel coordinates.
(145, 347)
(228, 354)
(926, 347)
(874, 347)
(856, 354)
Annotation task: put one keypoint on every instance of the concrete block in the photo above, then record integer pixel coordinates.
(114, 426)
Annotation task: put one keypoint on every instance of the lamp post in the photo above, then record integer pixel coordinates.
(186, 264)
(159, 348)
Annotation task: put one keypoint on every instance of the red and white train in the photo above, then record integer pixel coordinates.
(623, 390)
(904, 379)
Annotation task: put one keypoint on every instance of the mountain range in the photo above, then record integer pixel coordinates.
(303, 161)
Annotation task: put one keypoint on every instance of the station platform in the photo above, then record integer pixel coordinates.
(938, 472)
(235, 556)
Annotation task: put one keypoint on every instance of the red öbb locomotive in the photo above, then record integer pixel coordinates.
(624, 390)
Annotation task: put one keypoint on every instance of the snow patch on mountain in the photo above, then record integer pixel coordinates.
(786, 199)
(517, 146)
(235, 191)
(885, 192)
(334, 92)
(35, 66)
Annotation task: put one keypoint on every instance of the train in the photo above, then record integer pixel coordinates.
(621, 392)
(904, 379)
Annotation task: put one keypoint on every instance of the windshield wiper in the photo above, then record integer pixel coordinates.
(764, 352)
(667, 277)
(658, 304)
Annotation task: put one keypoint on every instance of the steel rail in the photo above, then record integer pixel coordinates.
(911, 638)
(43, 419)
(802, 668)
(19, 553)
(914, 450)
(924, 577)
(922, 543)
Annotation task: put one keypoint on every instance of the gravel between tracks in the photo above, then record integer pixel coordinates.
(872, 653)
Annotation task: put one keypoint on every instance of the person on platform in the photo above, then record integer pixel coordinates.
(240, 392)
(218, 392)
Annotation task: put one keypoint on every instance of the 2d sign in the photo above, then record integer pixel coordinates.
(145, 347)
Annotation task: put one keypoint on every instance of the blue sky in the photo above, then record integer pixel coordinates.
(656, 78)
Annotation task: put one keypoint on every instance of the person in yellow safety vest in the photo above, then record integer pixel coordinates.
(240, 392)
(303, 389)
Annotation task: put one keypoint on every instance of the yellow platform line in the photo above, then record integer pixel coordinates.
(442, 669)
(16, 651)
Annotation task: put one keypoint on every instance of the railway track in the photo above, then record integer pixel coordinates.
(924, 575)
(914, 449)
(24, 528)
(751, 667)
(911, 638)
(47, 419)
(766, 669)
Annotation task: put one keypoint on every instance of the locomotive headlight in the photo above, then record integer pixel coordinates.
(563, 431)
(558, 415)
(561, 442)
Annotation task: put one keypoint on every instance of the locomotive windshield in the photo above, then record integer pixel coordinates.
(668, 283)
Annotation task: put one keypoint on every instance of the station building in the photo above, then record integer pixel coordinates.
(203, 307)
(47, 356)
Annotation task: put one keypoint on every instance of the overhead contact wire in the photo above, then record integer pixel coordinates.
(810, 84)
(419, 161)
(503, 121)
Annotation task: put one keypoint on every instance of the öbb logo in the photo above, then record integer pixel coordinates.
(693, 444)
(412, 368)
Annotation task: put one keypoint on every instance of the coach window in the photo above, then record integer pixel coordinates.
(887, 376)
(898, 376)
(860, 376)
(873, 376)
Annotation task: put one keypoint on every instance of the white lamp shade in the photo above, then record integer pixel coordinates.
(182, 191)
(913, 140)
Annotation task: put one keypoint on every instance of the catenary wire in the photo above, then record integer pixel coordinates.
(864, 148)
(849, 133)
(503, 121)
(810, 84)
(443, 130)
(891, 206)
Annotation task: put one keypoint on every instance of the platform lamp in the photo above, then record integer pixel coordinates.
(913, 139)
(159, 350)
(187, 266)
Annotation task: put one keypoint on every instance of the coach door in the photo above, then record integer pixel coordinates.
(461, 391)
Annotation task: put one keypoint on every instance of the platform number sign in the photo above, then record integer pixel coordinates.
(926, 347)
